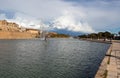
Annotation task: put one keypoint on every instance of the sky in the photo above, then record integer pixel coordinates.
(68, 16)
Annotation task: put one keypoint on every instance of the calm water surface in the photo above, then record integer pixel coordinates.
(55, 58)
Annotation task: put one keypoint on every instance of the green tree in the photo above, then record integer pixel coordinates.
(119, 33)
(107, 34)
(101, 35)
(82, 36)
(94, 36)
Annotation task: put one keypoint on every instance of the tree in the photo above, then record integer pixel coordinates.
(119, 33)
(94, 36)
(107, 34)
(101, 35)
(82, 36)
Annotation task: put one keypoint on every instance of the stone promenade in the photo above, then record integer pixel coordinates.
(113, 67)
(110, 66)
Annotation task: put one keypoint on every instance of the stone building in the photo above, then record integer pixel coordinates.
(8, 26)
(3, 22)
(33, 31)
(13, 30)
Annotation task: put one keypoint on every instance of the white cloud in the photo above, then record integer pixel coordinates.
(42, 9)
(45, 9)
(26, 21)
(93, 14)
(70, 22)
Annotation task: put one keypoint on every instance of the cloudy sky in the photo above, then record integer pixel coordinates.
(82, 16)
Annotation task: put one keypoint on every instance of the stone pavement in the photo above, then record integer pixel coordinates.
(113, 67)
(110, 66)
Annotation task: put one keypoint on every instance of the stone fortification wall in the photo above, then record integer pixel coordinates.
(10, 30)
(16, 35)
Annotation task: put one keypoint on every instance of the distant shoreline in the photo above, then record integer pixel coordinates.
(32, 38)
(99, 41)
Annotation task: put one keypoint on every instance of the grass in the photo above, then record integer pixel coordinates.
(108, 62)
(105, 74)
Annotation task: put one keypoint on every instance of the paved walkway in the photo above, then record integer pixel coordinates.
(114, 66)
(110, 66)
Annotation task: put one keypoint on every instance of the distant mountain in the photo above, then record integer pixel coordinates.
(67, 32)
(63, 26)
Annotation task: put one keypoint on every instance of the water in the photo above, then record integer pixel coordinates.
(55, 58)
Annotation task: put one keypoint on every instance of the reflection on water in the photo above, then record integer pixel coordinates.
(55, 58)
